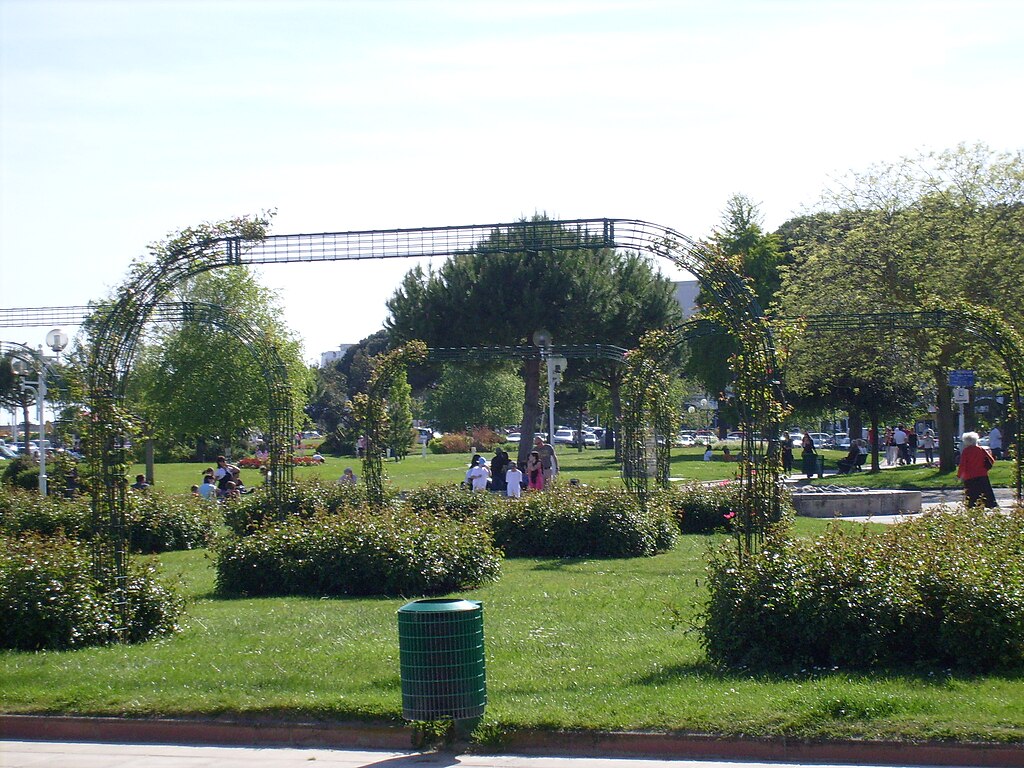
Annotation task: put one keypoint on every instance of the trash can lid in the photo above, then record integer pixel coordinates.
(440, 605)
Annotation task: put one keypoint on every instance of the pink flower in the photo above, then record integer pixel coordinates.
(729, 515)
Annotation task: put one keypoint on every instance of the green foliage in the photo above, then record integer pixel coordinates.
(944, 591)
(163, 522)
(23, 511)
(400, 434)
(196, 381)
(22, 472)
(50, 600)
(700, 508)
(304, 499)
(362, 553)
(156, 521)
(458, 442)
(582, 522)
(469, 395)
(453, 501)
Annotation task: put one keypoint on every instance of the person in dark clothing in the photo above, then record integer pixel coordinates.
(808, 455)
(498, 466)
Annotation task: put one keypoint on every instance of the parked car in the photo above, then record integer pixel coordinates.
(513, 437)
(565, 437)
(686, 439)
(841, 440)
(705, 437)
(590, 439)
(821, 439)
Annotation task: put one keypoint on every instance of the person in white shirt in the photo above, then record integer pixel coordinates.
(995, 443)
(513, 481)
(479, 474)
(899, 439)
(208, 490)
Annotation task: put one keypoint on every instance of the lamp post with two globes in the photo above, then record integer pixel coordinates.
(56, 340)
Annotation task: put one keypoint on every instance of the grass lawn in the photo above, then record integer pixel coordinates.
(917, 477)
(593, 644)
(592, 467)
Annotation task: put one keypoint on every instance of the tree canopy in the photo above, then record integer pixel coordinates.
(905, 236)
(510, 286)
(194, 384)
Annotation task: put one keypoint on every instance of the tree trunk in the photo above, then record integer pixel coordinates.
(944, 420)
(615, 392)
(854, 425)
(531, 408)
(150, 443)
(874, 443)
(28, 429)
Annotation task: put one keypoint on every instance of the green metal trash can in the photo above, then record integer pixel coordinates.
(441, 653)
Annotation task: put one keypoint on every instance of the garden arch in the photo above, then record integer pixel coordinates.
(118, 328)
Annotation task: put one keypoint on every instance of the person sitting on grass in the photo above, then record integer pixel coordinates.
(208, 490)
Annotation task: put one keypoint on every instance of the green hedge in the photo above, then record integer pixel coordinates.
(359, 553)
(583, 522)
(50, 600)
(303, 499)
(163, 522)
(453, 501)
(24, 511)
(156, 521)
(945, 590)
(702, 508)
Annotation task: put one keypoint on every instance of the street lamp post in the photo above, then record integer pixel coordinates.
(57, 340)
(542, 339)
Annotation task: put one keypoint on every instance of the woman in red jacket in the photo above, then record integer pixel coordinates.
(975, 463)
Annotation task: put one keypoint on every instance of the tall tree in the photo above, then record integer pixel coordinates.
(757, 256)
(910, 235)
(196, 384)
(471, 395)
(491, 297)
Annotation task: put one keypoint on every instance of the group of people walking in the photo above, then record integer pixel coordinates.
(505, 476)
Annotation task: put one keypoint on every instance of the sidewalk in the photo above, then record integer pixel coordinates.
(83, 755)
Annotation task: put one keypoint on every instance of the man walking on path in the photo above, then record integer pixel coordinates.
(995, 442)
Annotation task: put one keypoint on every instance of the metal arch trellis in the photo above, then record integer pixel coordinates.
(107, 447)
(962, 318)
(970, 320)
(118, 331)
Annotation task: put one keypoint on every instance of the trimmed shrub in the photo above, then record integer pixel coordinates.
(23, 511)
(50, 600)
(22, 472)
(304, 499)
(700, 508)
(454, 501)
(485, 439)
(363, 553)
(583, 522)
(458, 442)
(161, 522)
(945, 590)
(156, 522)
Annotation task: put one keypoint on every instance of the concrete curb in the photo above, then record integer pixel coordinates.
(359, 735)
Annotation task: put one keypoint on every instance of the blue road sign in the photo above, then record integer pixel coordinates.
(962, 378)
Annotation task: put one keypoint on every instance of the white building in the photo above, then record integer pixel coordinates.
(326, 358)
(686, 295)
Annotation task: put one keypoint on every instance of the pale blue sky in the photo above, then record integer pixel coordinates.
(123, 121)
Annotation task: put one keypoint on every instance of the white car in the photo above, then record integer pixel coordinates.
(565, 437)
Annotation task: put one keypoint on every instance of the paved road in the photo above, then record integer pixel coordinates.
(42, 754)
